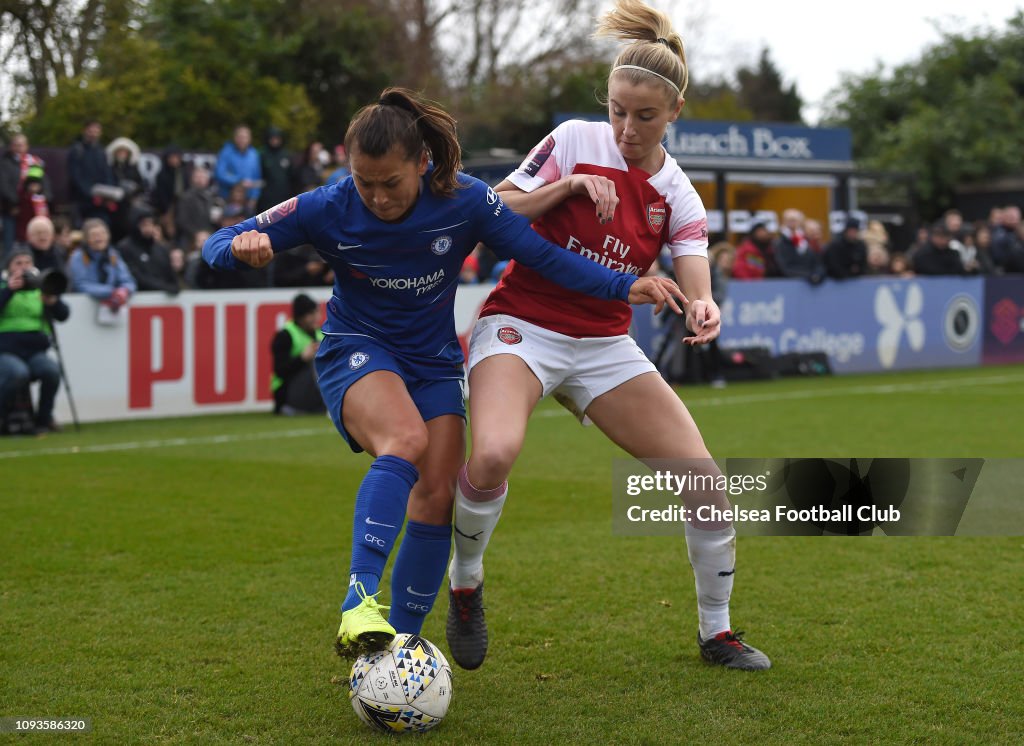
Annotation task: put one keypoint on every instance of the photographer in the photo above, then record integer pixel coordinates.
(28, 302)
(293, 348)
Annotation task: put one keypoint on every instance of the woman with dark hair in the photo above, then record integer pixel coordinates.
(310, 173)
(390, 366)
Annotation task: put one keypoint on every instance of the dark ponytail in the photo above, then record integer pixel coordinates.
(416, 125)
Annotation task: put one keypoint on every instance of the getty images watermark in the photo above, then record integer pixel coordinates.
(820, 496)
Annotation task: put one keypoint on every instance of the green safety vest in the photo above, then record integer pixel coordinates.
(300, 340)
(24, 313)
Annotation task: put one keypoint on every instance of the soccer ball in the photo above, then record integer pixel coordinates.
(406, 687)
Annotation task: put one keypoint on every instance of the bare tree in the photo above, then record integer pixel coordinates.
(44, 43)
(485, 37)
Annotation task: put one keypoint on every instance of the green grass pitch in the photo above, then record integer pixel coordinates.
(177, 581)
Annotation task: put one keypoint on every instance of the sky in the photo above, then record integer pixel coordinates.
(814, 43)
(811, 43)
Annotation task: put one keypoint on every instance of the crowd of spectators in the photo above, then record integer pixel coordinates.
(155, 231)
(120, 233)
(948, 247)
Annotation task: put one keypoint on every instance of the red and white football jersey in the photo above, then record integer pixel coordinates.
(653, 211)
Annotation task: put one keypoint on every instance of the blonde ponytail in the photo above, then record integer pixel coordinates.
(657, 50)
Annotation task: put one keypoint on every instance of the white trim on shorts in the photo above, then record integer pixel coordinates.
(575, 371)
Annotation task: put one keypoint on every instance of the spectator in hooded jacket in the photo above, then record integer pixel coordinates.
(123, 154)
(147, 257)
(276, 167)
(239, 163)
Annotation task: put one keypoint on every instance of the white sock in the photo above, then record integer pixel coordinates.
(476, 514)
(713, 558)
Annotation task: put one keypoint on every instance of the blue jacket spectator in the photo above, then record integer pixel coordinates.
(98, 270)
(239, 162)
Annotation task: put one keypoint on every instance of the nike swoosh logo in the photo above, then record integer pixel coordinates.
(374, 523)
(409, 588)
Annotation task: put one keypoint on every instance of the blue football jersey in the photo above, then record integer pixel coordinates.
(396, 282)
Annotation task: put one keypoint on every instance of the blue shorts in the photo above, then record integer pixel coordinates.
(435, 388)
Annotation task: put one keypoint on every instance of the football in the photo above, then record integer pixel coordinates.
(404, 688)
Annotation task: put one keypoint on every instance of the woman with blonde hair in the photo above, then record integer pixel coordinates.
(97, 269)
(610, 192)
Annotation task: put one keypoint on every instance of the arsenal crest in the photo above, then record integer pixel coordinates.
(509, 335)
(656, 212)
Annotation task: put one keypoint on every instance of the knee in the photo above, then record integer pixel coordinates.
(707, 484)
(491, 463)
(410, 444)
(15, 377)
(48, 374)
(432, 503)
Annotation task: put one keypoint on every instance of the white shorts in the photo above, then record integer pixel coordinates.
(575, 371)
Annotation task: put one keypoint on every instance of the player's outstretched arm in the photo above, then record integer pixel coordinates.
(533, 205)
(657, 291)
(252, 242)
(229, 248)
(510, 236)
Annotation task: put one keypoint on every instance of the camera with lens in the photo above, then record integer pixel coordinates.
(50, 282)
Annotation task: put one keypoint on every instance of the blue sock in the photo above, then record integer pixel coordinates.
(419, 569)
(379, 515)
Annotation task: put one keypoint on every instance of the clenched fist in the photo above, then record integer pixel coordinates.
(252, 248)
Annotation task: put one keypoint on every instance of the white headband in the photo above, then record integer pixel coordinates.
(637, 67)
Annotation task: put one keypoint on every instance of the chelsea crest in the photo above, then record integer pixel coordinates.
(441, 245)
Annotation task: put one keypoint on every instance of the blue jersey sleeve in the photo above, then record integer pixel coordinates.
(287, 224)
(510, 236)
